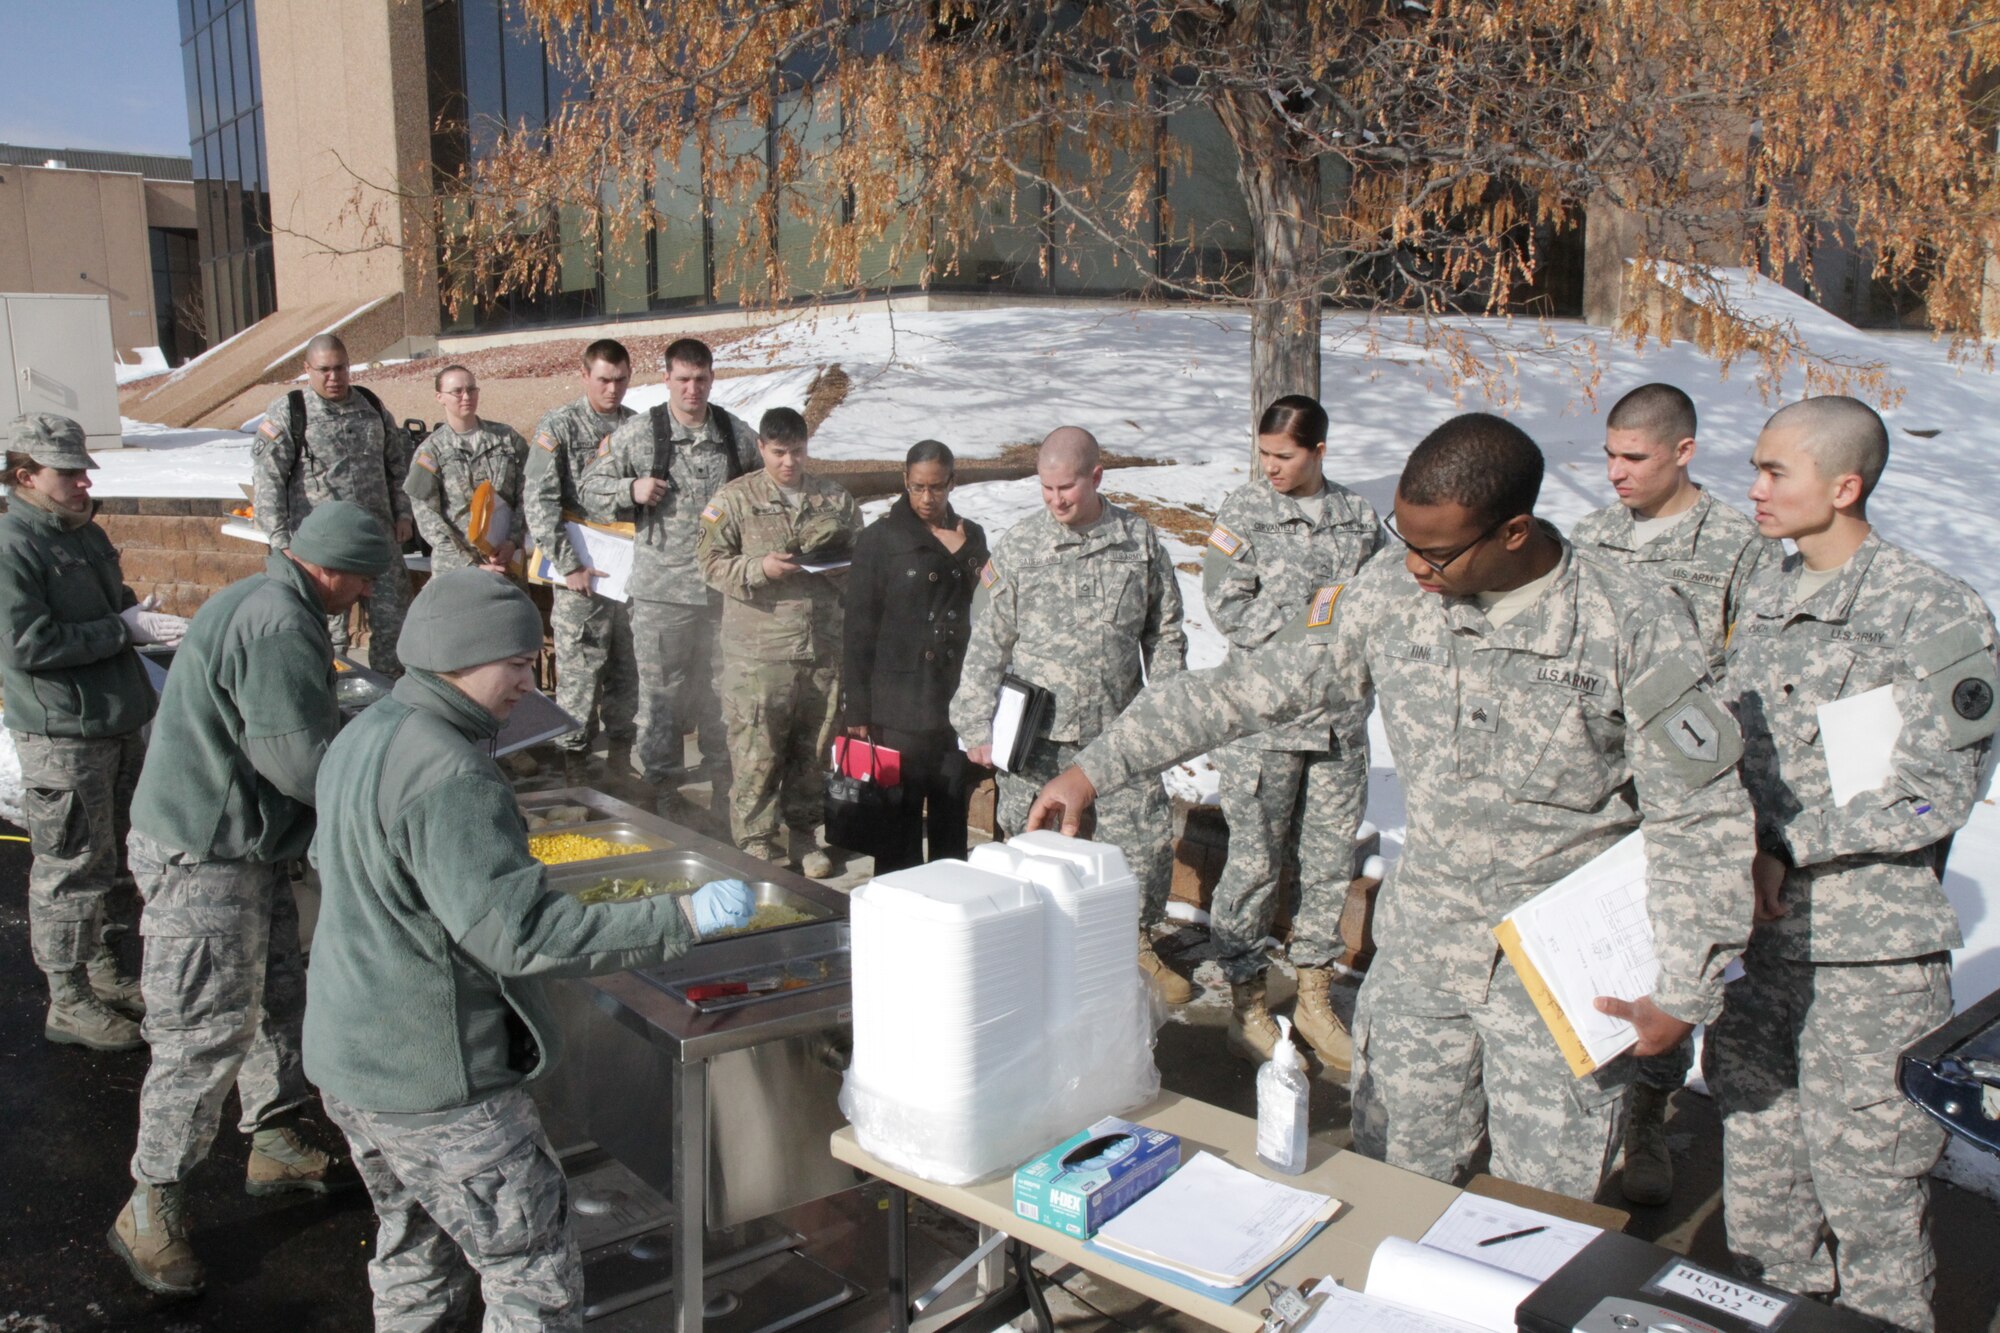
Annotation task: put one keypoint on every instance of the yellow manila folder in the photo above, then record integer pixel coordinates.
(1552, 1014)
(1586, 935)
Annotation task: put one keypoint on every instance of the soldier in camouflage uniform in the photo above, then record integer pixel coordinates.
(453, 462)
(223, 809)
(1849, 961)
(1540, 708)
(663, 467)
(355, 451)
(1292, 793)
(1667, 529)
(595, 671)
(1080, 599)
(77, 698)
(780, 637)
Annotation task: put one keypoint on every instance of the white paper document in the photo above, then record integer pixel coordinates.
(1215, 1222)
(1432, 1280)
(1008, 714)
(1858, 735)
(824, 566)
(1472, 1218)
(606, 551)
(499, 525)
(1349, 1311)
(1588, 935)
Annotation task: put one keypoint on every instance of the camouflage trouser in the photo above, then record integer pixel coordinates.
(675, 647)
(76, 801)
(387, 604)
(225, 997)
(1816, 1135)
(781, 717)
(1285, 804)
(596, 676)
(1434, 1073)
(1136, 819)
(468, 1192)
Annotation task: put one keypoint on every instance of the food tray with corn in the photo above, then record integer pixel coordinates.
(678, 871)
(603, 841)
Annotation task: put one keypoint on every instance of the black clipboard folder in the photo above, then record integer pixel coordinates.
(1021, 713)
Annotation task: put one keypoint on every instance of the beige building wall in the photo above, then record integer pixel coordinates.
(346, 139)
(83, 233)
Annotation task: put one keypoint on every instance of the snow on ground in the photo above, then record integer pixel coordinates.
(152, 361)
(1169, 384)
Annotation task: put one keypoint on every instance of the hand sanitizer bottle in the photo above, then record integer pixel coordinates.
(1282, 1100)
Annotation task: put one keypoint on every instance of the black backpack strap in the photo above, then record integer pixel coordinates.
(663, 444)
(297, 399)
(737, 467)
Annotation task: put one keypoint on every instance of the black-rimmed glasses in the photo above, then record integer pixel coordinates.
(1439, 566)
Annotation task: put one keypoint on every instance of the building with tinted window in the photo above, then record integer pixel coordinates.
(226, 142)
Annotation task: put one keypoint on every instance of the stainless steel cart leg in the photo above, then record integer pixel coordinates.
(690, 1190)
(899, 1260)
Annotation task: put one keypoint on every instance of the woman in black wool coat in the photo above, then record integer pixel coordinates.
(909, 605)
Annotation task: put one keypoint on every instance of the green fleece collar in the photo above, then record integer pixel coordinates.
(432, 693)
(286, 571)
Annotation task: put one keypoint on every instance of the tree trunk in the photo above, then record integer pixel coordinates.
(1280, 180)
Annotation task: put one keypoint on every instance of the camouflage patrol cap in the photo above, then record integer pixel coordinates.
(51, 440)
(824, 537)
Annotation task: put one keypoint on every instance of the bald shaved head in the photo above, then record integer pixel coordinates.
(326, 342)
(1842, 435)
(1069, 465)
(1070, 447)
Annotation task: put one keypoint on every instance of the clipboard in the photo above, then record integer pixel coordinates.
(1021, 712)
(1580, 1063)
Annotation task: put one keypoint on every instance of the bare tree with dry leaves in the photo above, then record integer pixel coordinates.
(1398, 155)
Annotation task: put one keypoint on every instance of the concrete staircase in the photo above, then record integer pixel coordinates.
(175, 548)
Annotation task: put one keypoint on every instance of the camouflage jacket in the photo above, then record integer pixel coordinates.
(1864, 883)
(1089, 616)
(1263, 561)
(447, 469)
(351, 452)
(664, 568)
(796, 618)
(1708, 558)
(566, 442)
(1524, 750)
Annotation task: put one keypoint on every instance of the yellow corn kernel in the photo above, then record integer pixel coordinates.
(558, 848)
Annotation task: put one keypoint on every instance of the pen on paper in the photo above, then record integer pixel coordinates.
(1512, 1235)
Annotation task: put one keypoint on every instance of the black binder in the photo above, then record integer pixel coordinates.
(1618, 1283)
(1035, 705)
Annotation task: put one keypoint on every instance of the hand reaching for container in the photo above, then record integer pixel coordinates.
(724, 904)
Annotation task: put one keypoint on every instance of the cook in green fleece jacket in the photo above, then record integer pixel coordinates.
(425, 1014)
(224, 804)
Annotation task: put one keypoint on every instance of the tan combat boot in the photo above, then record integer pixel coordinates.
(151, 1236)
(1253, 1035)
(281, 1162)
(1315, 1020)
(1172, 987)
(111, 983)
(78, 1018)
(1649, 1168)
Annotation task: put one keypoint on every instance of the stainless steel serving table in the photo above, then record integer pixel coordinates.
(713, 1079)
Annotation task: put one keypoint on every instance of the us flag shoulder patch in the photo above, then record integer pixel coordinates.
(711, 512)
(424, 461)
(989, 575)
(1225, 541)
(269, 430)
(544, 440)
(604, 446)
(1321, 613)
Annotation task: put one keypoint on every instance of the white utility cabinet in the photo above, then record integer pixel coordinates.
(57, 354)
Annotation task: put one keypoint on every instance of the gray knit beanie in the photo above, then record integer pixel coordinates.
(467, 618)
(346, 537)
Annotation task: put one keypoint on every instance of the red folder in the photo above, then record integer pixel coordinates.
(865, 759)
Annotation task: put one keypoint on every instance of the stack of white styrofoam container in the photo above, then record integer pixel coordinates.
(948, 1016)
(997, 1005)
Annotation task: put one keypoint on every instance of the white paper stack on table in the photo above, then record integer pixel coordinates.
(1216, 1223)
(948, 1017)
(1469, 1274)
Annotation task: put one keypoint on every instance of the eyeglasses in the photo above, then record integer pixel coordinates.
(1439, 566)
(915, 488)
(466, 392)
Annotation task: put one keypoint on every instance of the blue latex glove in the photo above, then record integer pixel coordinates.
(723, 904)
